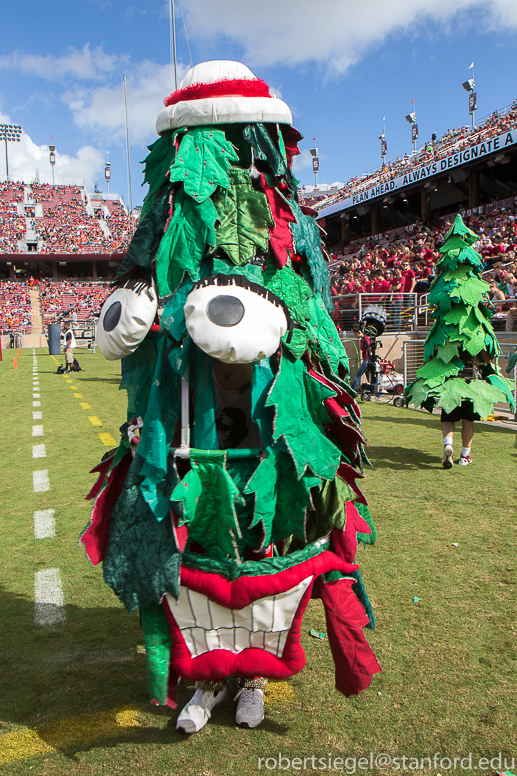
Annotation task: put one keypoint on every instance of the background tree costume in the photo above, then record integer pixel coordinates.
(462, 330)
(238, 268)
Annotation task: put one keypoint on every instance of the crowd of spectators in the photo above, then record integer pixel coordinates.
(12, 226)
(452, 141)
(66, 225)
(392, 271)
(15, 306)
(71, 298)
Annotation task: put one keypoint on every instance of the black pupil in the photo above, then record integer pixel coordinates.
(112, 316)
(225, 310)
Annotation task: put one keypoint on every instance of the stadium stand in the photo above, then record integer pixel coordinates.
(59, 299)
(451, 141)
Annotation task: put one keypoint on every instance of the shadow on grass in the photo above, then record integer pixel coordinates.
(115, 380)
(402, 458)
(70, 682)
(435, 422)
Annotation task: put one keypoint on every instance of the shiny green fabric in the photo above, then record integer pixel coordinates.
(307, 242)
(157, 641)
(157, 164)
(265, 149)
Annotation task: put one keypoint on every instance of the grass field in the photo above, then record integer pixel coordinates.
(73, 696)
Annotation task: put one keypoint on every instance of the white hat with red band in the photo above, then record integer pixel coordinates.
(221, 92)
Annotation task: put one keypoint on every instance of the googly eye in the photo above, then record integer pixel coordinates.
(125, 319)
(233, 323)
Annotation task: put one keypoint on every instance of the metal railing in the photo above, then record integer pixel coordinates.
(401, 310)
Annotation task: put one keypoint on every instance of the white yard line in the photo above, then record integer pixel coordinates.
(38, 451)
(44, 524)
(48, 596)
(37, 415)
(40, 481)
(37, 431)
(36, 404)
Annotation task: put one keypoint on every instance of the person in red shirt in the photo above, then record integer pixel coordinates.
(378, 286)
(364, 344)
(409, 278)
(397, 283)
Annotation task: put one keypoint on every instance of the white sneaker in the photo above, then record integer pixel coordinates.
(198, 710)
(464, 460)
(448, 460)
(250, 709)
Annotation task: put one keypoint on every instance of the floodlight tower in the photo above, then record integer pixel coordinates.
(469, 87)
(411, 119)
(12, 133)
(52, 151)
(107, 174)
(315, 165)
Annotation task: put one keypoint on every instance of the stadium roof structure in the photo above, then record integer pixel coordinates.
(466, 178)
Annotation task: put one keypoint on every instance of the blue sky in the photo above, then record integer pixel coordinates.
(341, 65)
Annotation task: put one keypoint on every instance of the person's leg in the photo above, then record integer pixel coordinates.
(198, 710)
(448, 438)
(357, 377)
(467, 437)
(250, 708)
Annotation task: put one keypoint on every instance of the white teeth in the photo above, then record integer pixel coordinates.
(265, 623)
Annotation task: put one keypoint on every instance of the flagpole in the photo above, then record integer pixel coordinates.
(128, 158)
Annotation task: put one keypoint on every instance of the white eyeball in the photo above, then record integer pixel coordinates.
(233, 323)
(125, 319)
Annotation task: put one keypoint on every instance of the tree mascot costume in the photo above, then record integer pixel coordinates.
(457, 374)
(232, 497)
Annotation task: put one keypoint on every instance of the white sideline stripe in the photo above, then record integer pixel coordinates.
(40, 481)
(44, 524)
(37, 415)
(36, 396)
(37, 431)
(36, 404)
(38, 451)
(48, 598)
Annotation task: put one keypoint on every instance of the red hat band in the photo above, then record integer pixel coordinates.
(241, 87)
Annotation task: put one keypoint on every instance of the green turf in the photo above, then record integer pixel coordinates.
(449, 660)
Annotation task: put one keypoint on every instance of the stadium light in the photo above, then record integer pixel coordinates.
(470, 87)
(12, 133)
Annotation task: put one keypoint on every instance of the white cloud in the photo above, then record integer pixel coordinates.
(101, 109)
(336, 33)
(74, 63)
(26, 159)
(302, 162)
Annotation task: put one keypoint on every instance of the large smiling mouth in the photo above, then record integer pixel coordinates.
(263, 624)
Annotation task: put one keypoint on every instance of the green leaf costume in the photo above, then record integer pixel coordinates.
(462, 331)
(228, 510)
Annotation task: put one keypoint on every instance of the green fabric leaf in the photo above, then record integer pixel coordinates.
(147, 237)
(324, 336)
(264, 148)
(307, 242)
(157, 164)
(448, 351)
(458, 314)
(505, 385)
(329, 508)
(209, 494)
(511, 362)
(244, 217)
(300, 430)
(471, 292)
(438, 369)
(190, 233)
(459, 228)
(365, 514)
(203, 162)
(295, 293)
(480, 393)
(251, 271)
(281, 499)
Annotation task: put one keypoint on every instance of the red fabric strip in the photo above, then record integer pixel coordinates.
(354, 659)
(95, 538)
(242, 87)
(281, 238)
